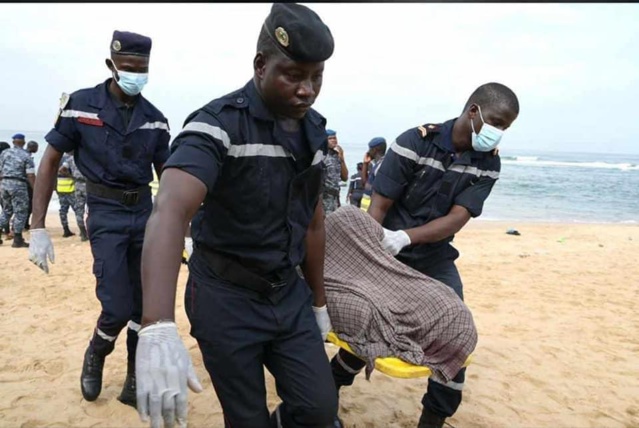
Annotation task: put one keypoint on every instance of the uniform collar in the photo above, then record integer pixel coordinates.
(101, 99)
(313, 123)
(445, 140)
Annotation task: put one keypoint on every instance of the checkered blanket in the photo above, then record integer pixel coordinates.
(384, 308)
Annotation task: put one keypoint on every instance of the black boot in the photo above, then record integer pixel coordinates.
(91, 378)
(18, 241)
(83, 234)
(67, 232)
(430, 420)
(128, 395)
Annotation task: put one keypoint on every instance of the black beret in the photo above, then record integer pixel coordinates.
(125, 43)
(299, 33)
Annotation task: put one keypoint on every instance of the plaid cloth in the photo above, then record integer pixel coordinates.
(383, 308)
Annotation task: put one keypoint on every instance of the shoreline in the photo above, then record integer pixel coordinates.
(52, 215)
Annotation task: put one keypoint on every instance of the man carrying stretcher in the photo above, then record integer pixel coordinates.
(433, 179)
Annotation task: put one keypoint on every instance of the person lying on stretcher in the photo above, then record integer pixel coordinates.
(383, 308)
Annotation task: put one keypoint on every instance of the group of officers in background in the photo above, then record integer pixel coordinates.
(360, 187)
(17, 179)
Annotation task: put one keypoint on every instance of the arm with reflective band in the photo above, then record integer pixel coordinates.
(64, 136)
(396, 171)
(200, 149)
(473, 197)
(162, 151)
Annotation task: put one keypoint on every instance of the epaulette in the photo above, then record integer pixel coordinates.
(429, 128)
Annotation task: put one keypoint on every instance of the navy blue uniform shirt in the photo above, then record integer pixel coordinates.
(372, 172)
(425, 179)
(263, 183)
(105, 150)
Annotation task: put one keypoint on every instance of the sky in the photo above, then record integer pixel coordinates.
(574, 67)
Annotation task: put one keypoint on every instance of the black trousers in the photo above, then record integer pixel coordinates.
(240, 332)
(440, 399)
(116, 234)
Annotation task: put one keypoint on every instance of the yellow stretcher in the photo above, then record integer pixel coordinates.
(391, 366)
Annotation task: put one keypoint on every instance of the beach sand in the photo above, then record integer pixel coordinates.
(556, 311)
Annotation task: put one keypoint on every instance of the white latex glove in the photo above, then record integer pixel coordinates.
(188, 246)
(163, 369)
(323, 320)
(41, 247)
(394, 241)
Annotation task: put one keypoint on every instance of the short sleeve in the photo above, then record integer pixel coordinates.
(200, 149)
(397, 167)
(473, 197)
(162, 151)
(29, 166)
(64, 136)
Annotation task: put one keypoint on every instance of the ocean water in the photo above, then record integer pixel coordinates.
(533, 186)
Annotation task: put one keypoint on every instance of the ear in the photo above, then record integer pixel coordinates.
(472, 111)
(109, 64)
(259, 64)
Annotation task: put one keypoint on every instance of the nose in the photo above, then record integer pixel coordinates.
(305, 89)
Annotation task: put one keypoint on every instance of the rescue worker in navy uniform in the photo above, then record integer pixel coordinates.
(433, 180)
(248, 169)
(117, 137)
(355, 187)
(372, 161)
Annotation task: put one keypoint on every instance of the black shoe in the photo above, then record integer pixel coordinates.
(430, 420)
(83, 234)
(19, 242)
(128, 395)
(67, 233)
(91, 378)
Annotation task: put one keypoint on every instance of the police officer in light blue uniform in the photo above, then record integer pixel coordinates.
(249, 167)
(16, 170)
(117, 137)
(434, 178)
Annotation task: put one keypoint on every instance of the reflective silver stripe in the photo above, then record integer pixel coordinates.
(466, 169)
(134, 326)
(78, 113)
(31, 171)
(346, 366)
(457, 386)
(214, 131)
(319, 157)
(155, 125)
(105, 336)
(252, 150)
(409, 154)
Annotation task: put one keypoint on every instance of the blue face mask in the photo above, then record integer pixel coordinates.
(488, 138)
(131, 83)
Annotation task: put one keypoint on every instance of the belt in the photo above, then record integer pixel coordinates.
(126, 197)
(331, 191)
(232, 271)
(15, 178)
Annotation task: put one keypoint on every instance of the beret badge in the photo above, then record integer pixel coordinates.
(116, 45)
(281, 36)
